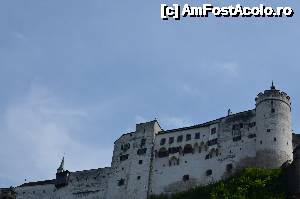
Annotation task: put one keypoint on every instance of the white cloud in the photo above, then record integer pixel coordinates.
(231, 69)
(174, 122)
(36, 131)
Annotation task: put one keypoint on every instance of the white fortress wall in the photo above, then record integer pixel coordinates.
(201, 154)
(91, 184)
(132, 162)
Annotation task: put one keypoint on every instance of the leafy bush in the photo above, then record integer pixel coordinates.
(251, 183)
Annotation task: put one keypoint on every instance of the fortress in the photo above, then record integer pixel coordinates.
(151, 160)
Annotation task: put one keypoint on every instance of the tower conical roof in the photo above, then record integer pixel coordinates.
(61, 166)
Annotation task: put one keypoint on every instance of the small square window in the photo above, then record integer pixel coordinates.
(273, 110)
(268, 130)
(121, 182)
(229, 167)
(139, 177)
(186, 178)
(140, 161)
(197, 136)
(209, 172)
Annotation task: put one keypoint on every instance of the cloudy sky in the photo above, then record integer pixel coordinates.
(75, 75)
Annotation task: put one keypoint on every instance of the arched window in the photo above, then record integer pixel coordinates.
(163, 152)
(188, 149)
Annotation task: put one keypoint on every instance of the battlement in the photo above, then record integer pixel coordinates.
(273, 94)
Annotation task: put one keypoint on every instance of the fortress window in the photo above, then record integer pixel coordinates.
(268, 130)
(173, 150)
(188, 137)
(275, 139)
(212, 142)
(273, 110)
(234, 127)
(124, 157)
(241, 125)
(197, 136)
(213, 131)
(143, 142)
(209, 172)
(140, 161)
(252, 124)
(237, 138)
(125, 147)
(180, 138)
(162, 141)
(171, 140)
(260, 142)
(163, 153)
(186, 178)
(139, 177)
(188, 149)
(252, 135)
(141, 151)
(121, 182)
(207, 157)
(229, 167)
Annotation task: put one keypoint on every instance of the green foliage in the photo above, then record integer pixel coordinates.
(251, 183)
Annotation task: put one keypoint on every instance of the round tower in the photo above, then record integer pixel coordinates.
(274, 133)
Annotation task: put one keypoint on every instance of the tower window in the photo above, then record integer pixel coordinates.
(260, 142)
(275, 139)
(139, 177)
(268, 130)
(197, 136)
(186, 178)
(143, 142)
(140, 161)
(209, 172)
(229, 167)
(124, 157)
(273, 110)
(121, 182)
